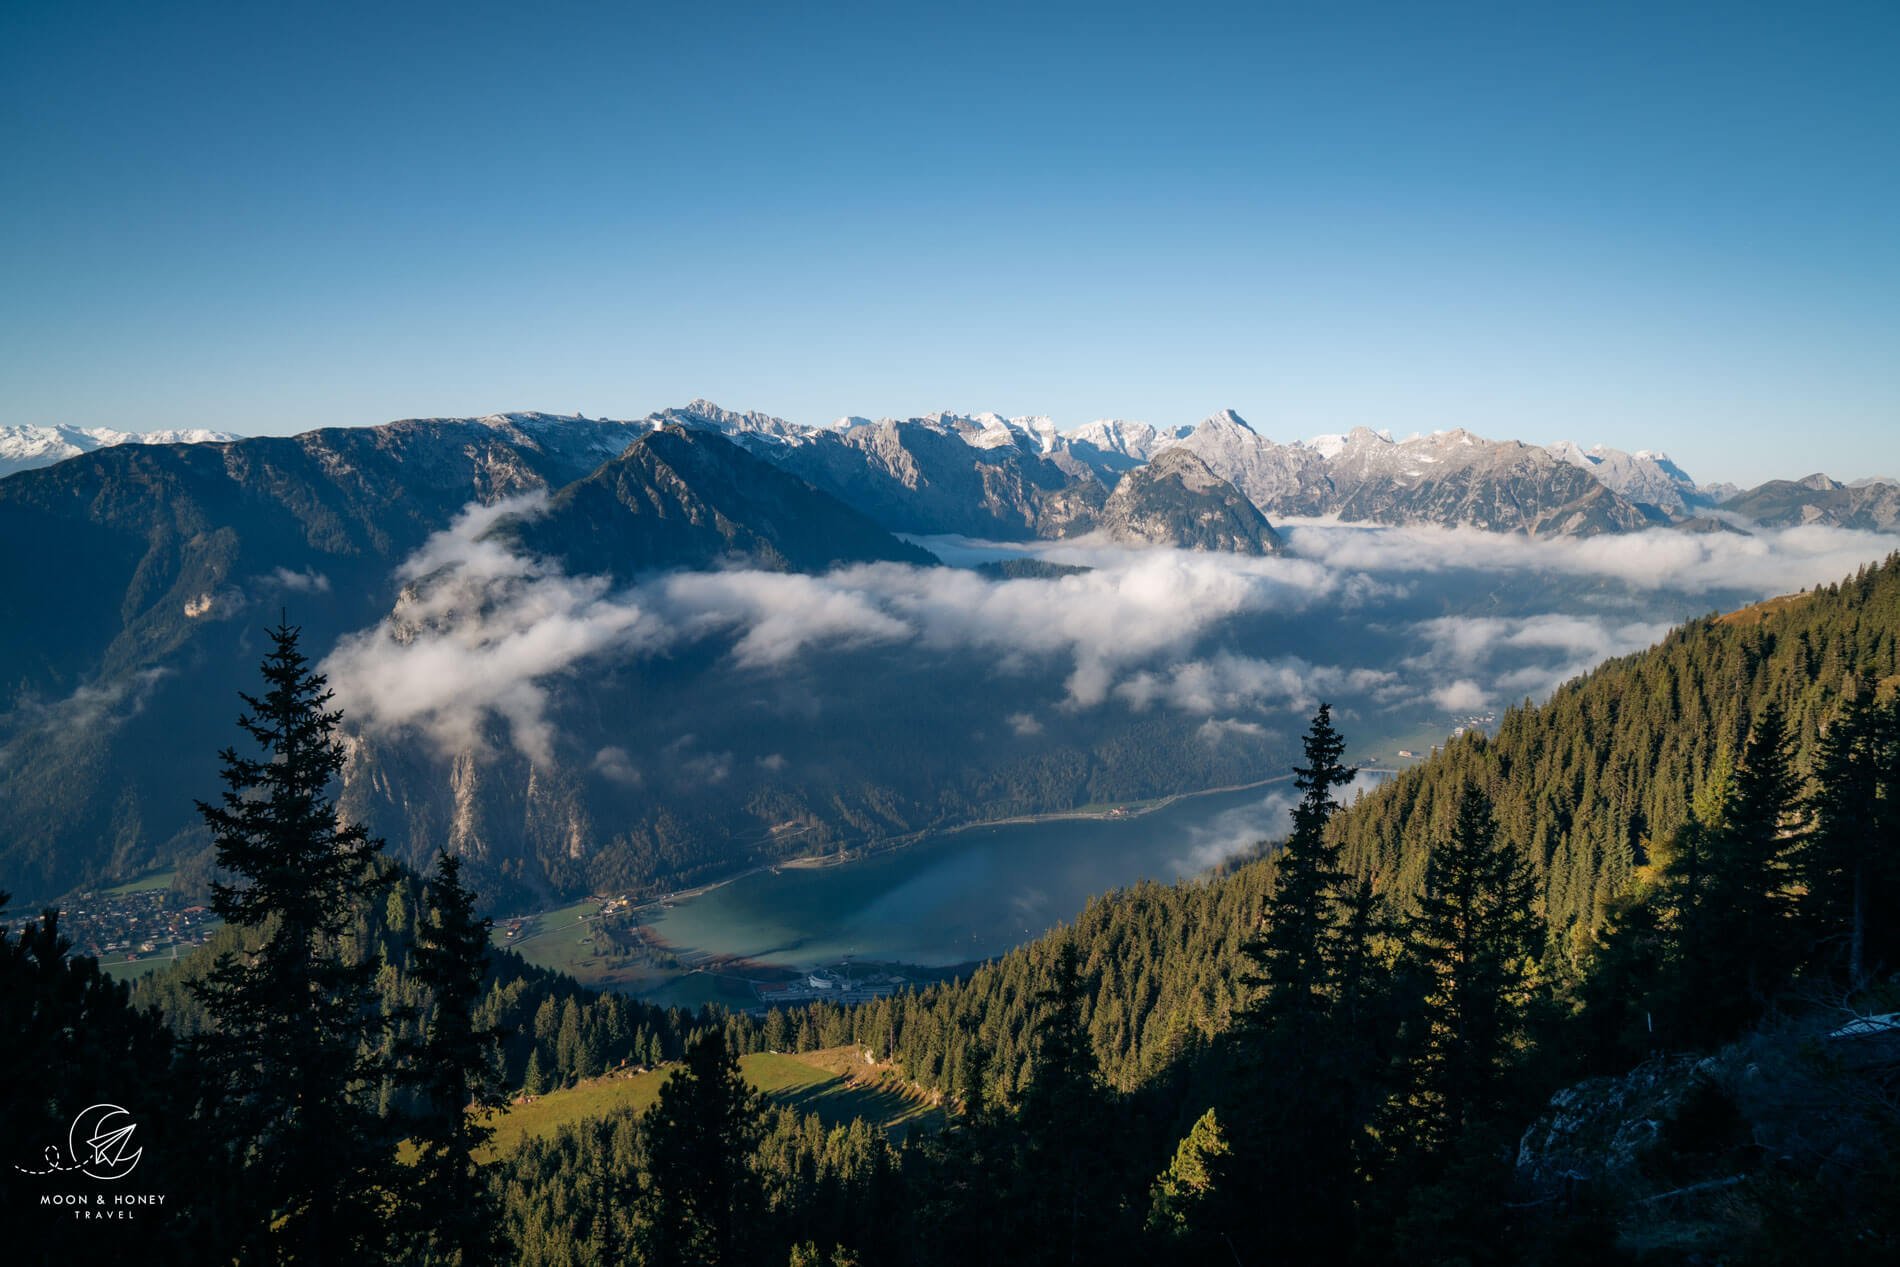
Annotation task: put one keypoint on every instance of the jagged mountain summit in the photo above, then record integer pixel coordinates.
(1645, 477)
(25, 448)
(990, 475)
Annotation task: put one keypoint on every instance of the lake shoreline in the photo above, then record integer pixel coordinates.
(883, 848)
(813, 862)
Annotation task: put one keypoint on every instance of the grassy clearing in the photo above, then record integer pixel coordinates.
(145, 883)
(131, 969)
(836, 1085)
(1755, 613)
(554, 939)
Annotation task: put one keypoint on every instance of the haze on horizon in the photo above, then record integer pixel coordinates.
(1645, 228)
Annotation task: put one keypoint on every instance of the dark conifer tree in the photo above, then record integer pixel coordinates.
(1468, 946)
(1294, 947)
(1064, 1175)
(1738, 950)
(452, 1065)
(293, 1016)
(1849, 865)
(1292, 1107)
(704, 1200)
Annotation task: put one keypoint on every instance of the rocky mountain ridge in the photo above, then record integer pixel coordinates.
(988, 475)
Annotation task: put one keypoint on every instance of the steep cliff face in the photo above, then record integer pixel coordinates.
(1644, 477)
(1176, 500)
(1281, 479)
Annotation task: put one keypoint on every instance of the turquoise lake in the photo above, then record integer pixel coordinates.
(958, 896)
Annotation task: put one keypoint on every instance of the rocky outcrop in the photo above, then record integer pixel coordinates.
(1686, 1153)
(1177, 501)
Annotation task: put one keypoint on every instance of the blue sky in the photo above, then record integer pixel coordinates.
(1646, 225)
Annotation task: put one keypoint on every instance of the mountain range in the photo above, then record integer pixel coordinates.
(988, 476)
(136, 576)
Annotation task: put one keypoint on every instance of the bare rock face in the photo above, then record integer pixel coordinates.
(1687, 1155)
(1281, 479)
(1452, 478)
(1599, 1130)
(1176, 500)
(949, 475)
(1455, 478)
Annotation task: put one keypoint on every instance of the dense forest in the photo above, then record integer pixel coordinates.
(1595, 989)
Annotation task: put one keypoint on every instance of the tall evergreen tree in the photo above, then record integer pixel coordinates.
(1738, 950)
(1063, 1176)
(1294, 948)
(453, 1066)
(1468, 945)
(1292, 1105)
(291, 1015)
(704, 1200)
(1849, 865)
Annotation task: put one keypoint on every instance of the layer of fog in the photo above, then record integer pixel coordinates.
(481, 633)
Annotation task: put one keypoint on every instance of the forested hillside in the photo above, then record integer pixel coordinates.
(1594, 781)
(1647, 904)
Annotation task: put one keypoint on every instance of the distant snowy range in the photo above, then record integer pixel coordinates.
(22, 448)
(598, 655)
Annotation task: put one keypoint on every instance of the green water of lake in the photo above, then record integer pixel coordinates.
(961, 896)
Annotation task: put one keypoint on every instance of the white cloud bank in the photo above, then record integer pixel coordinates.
(1766, 562)
(480, 632)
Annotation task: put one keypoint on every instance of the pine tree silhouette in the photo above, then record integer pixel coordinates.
(292, 1014)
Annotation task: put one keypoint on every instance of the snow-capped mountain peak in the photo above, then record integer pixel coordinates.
(24, 447)
(1646, 476)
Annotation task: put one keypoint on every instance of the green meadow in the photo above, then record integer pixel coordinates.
(826, 1083)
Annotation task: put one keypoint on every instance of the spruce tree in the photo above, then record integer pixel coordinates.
(1293, 1106)
(452, 1065)
(1849, 866)
(292, 1015)
(1468, 946)
(1294, 948)
(1739, 950)
(1063, 1176)
(704, 1200)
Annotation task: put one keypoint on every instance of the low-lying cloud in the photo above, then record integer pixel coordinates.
(1766, 561)
(92, 708)
(1238, 832)
(481, 633)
